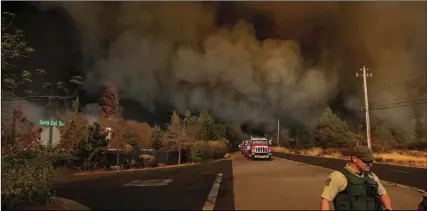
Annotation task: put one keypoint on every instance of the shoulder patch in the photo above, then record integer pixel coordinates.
(328, 181)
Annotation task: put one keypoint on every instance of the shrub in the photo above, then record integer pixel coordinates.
(146, 160)
(201, 151)
(26, 177)
(381, 147)
(219, 148)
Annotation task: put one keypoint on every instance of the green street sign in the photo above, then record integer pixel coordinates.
(53, 123)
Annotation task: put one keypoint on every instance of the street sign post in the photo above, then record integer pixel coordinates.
(51, 124)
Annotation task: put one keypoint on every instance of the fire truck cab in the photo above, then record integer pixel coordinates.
(259, 148)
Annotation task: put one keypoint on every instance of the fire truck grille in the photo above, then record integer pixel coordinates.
(261, 150)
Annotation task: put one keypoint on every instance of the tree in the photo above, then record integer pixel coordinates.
(206, 121)
(219, 131)
(176, 133)
(17, 85)
(331, 131)
(112, 115)
(235, 135)
(19, 165)
(383, 136)
(420, 130)
(189, 119)
(110, 102)
(90, 150)
(156, 136)
(75, 130)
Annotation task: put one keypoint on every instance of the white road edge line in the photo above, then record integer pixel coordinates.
(210, 201)
(393, 183)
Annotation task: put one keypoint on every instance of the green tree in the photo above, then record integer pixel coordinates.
(331, 131)
(131, 147)
(90, 152)
(235, 135)
(383, 136)
(189, 119)
(24, 186)
(420, 130)
(219, 131)
(156, 138)
(206, 121)
(16, 84)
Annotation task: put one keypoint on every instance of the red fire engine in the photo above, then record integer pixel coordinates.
(259, 148)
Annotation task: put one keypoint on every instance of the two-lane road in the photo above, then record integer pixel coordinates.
(245, 185)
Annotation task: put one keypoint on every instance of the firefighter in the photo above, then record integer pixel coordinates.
(355, 187)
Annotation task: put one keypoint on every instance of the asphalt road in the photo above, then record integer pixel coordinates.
(188, 189)
(287, 185)
(246, 185)
(415, 177)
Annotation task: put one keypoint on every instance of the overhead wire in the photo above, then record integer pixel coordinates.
(400, 102)
(389, 105)
(397, 106)
(398, 84)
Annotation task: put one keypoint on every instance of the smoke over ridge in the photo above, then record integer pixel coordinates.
(177, 54)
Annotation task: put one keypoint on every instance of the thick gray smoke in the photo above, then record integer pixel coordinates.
(174, 53)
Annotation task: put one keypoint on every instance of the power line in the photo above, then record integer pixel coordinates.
(400, 102)
(400, 83)
(397, 106)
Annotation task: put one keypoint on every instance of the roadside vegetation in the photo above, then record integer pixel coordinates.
(333, 137)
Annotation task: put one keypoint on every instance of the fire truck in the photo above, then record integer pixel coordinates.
(259, 148)
(245, 148)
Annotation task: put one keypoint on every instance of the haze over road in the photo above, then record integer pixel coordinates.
(246, 185)
(282, 184)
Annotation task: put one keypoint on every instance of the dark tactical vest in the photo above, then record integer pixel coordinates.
(361, 193)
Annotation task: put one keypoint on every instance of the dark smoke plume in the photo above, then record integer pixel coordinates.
(288, 67)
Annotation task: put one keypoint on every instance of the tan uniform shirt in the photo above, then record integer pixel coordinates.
(337, 182)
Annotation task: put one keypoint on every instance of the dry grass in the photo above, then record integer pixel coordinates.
(399, 157)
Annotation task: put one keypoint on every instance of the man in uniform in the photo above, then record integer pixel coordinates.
(355, 187)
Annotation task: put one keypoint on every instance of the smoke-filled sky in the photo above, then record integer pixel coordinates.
(250, 62)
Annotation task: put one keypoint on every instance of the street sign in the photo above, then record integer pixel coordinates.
(50, 135)
(54, 123)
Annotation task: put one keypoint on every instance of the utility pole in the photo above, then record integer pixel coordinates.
(365, 89)
(278, 133)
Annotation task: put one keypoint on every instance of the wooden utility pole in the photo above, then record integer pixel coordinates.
(278, 133)
(365, 89)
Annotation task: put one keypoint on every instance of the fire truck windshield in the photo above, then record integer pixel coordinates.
(260, 142)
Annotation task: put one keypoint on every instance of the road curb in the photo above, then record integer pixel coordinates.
(149, 169)
(210, 201)
(131, 170)
(320, 167)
